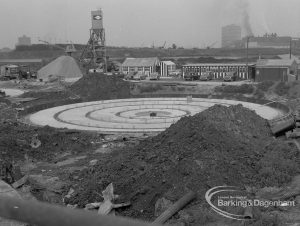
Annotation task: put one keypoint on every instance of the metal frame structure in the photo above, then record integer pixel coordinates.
(94, 53)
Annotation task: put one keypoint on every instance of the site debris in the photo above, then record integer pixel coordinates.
(219, 146)
(158, 177)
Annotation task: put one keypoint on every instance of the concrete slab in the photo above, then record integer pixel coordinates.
(133, 115)
(12, 92)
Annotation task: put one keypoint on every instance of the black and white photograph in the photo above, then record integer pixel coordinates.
(149, 112)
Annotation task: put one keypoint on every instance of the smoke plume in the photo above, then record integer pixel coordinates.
(244, 7)
(246, 24)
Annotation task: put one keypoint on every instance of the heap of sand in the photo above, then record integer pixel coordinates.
(62, 67)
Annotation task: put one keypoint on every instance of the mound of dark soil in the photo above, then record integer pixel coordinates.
(47, 95)
(222, 145)
(15, 139)
(98, 86)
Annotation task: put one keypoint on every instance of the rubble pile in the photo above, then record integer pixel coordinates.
(98, 86)
(219, 146)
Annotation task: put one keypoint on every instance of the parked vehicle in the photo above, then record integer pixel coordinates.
(129, 76)
(191, 76)
(118, 74)
(230, 76)
(24, 72)
(206, 76)
(154, 76)
(139, 76)
(10, 71)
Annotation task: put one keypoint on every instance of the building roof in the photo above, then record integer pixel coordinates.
(21, 60)
(10, 66)
(277, 39)
(140, 62)
(218, 64)
(275, 63)
(287, 56)
(168, 62)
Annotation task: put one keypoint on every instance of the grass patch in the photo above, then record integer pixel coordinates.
(181, 89)
(150, 88)
(243, 89)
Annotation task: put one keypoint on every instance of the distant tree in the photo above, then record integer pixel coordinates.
(174, 46)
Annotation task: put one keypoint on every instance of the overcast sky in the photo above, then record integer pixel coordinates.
(139, 23)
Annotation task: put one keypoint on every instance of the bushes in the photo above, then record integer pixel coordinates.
(265, 85)
(150, 88)
(243, 89)
(282, 89)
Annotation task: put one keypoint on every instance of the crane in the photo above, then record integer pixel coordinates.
(163, 46)
(69, 49)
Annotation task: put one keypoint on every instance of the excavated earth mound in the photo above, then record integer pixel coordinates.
(219, 146)
(98, 86)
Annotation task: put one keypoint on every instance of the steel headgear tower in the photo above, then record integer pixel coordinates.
(94, 54)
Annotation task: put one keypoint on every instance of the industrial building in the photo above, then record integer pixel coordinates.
(231, 34)
(220, 69)
(166, 68)
(141, 65)
(24, 41)
(271, 41)
(276, 70)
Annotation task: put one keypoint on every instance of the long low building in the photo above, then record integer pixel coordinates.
(141, 65)
(220, 69)
(276, 70)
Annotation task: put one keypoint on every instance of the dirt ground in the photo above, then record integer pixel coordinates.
(220, 146)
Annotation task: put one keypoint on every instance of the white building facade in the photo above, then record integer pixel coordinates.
(167, 67)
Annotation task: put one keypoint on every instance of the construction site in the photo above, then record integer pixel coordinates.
(82, 145)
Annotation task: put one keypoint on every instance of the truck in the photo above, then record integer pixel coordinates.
(9, 72)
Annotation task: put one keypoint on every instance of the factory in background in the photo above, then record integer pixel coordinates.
(24, 41)
(272, 41)
(231, 35)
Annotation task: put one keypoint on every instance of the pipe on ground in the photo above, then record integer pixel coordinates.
(42, 214)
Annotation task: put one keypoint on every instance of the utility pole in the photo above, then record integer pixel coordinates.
(247, 56)
(291, 48)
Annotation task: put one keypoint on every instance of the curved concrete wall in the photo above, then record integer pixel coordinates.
(111, 116)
